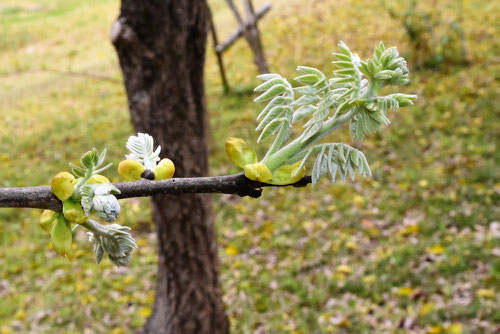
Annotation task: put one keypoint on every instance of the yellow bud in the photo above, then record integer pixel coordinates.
(130, 170)
(164, 170)
(285, 174)
(46, 219)
(258, 172)
(73, 211)
(239, 152)
(97, 178)
(62, 185)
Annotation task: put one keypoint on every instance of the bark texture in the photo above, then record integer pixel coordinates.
(237, 184)
(161, 48)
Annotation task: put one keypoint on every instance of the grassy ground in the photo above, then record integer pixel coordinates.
(414, 249)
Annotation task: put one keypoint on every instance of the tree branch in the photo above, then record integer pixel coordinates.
(238, 184)
(240, 31)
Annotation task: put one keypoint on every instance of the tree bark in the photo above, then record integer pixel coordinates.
(161, 47)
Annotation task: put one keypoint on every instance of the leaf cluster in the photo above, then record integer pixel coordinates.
(351, 95)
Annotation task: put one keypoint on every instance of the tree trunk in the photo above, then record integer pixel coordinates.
(161, 48)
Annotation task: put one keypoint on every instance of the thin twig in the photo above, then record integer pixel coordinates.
(240, 31)
(218, 54)
(64, 73)
(238, 184)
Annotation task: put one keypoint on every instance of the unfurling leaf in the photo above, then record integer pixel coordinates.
(311, 70)
(339, 159)
(141, 149)
(303, 112)
(272, 115)
(271, 128)
(90, 159)
(268, 84)
(306, 99)
(106, 205)
(62, 238)
(268, 76)
(239, 152)
(114, 240)
(46, 219)
(277, 101)
(87, 192)
(271, 92)
(307, 79)
(312, 130)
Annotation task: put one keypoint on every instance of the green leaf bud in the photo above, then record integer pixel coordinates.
(106, 207)
(62, 186)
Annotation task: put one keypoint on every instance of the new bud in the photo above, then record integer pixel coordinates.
(164, 170)
(62, 185)
(73, 211)
(258, 172)
(62, 238)
(130, 170)
(46, 219)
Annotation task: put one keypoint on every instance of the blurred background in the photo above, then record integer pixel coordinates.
(414, 249)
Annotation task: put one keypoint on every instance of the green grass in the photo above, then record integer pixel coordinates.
(416, 244)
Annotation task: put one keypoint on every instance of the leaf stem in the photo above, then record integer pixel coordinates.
(279, 158)
(95, 228)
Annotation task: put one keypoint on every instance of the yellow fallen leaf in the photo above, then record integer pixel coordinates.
(410, 229)
(344, 269)
(486, 293)
(370, 279)
(128, 279)
(144, 312)
(358, 199)
(351, 245)
(436, 329)
(242, 232)
(436, 249)
(20, 315)
(231, 250)
(423, 183)
(426, 309)
(405, 291)
(454, 328)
